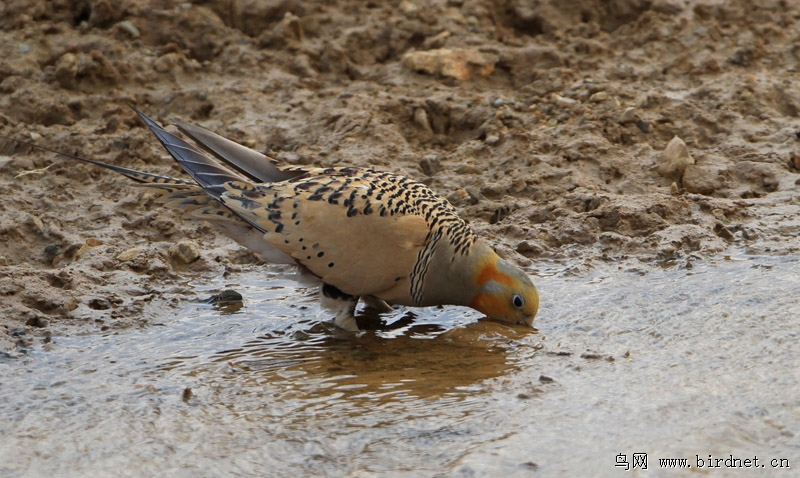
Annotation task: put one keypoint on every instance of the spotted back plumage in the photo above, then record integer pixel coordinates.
(364, 231)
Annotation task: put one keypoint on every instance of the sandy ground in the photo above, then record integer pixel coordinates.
(545, 123)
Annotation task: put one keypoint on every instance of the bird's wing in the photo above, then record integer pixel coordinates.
(330, 226)
(326, 219)
(254, 165)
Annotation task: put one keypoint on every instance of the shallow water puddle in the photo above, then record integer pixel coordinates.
(674, 363)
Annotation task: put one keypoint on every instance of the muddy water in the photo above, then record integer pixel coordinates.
(672, 362)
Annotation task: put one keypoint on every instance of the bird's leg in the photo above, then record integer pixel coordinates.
(376, 304)
(343, 305)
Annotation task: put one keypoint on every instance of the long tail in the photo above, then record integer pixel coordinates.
(138, 176)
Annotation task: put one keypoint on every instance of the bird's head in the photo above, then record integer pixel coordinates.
(505, 292)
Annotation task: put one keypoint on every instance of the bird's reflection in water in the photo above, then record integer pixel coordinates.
(423, 360)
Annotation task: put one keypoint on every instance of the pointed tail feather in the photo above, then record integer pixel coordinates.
(138, 176)
(207, 172)
(252, 164)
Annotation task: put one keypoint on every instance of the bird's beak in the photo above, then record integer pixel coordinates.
(528, 320)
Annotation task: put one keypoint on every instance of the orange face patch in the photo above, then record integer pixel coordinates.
(490, 272)
(492, 305)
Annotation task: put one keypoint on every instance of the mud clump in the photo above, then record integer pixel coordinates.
(545, 123)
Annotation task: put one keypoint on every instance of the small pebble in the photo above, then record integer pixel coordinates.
(674, 159)
(37, 222)
(467, 169)
(38, 322)
(475, 195)
(70, 304)
(643, 125)
(598, 97)
(628, 116)
(749, 234)
(51, 250)
(225, 297)
(100, 304)
(408, 8)
(795, 160)
(129, 28)
(722, 231)
(430, 165)
(563, 100)
(421, 118)
(497, 102)
(184, 252)
(492, 139)
(129, 254)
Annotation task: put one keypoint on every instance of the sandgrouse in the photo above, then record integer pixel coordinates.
(363, 233)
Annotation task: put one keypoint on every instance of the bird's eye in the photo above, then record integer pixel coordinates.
(518, 301)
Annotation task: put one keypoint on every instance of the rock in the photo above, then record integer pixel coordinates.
(467, 169)
(749, 234)
(430, 165)
(492, 139)
(129, 254)
(184, 252)
(529, 249)
(38, 321)
(70, 304)
(457, 197)
(563, 100)
(598, 97)
(436, 41)
(742, 57)
(100, 303)
(643, 125)
(674, 159)
(458, 63)
(38, 224)
(66, 70)
(72, 69)
(226, 296)
(628, 116)
(699, 180)
(408, 8)
(670, 7)
(301, 66)
(127, 29)
(527, 63)
(474, 195)
(169, 62)
(722, 231)
(759, 174)
(794, 160)
(421, 118)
